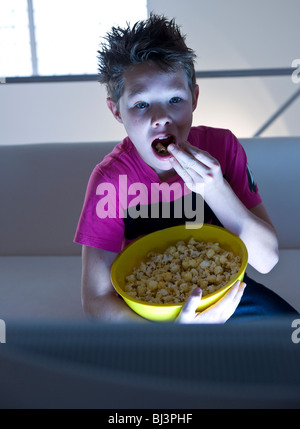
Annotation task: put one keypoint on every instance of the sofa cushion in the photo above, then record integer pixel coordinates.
(35, 287)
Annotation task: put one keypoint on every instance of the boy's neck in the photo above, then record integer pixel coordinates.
(165, 175)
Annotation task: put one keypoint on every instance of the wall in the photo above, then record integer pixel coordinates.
(241, 34)
(56, 112)
(235, 34)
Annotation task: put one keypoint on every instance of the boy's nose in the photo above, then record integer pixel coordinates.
(161, 118)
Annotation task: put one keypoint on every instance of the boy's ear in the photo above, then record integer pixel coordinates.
(195, 97)
(112, 105)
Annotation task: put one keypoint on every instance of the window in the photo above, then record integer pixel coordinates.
(15, 55)
(58, 37)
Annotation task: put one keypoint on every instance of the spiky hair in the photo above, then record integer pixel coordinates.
(156, 40)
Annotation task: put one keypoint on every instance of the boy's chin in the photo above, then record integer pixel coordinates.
(164, 169)
(163, 165)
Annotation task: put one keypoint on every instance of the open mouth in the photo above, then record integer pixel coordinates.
(160, 145)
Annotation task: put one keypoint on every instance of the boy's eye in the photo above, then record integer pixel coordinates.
(174, 100)
(141, 105)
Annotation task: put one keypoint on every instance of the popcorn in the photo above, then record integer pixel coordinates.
(170, 277)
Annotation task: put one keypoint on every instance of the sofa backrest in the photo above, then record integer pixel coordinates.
(42, 189)
(274, 162)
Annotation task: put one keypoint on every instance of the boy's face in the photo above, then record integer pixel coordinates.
(156, 108)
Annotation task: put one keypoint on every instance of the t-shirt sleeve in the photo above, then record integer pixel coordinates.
(99, 224)
(238, 173)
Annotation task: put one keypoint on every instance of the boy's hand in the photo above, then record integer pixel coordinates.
(219, 312)
(195, 165)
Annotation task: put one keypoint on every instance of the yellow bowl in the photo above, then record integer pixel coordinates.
(136, 252)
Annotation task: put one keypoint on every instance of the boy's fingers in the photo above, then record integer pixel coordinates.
(192, 302)
(236, 291)
(202, 156)
(240, 292)
(219, 312)
(186, 159)
(232, 298)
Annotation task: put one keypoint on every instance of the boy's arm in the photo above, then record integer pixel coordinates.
(99, 298)
(252, 226)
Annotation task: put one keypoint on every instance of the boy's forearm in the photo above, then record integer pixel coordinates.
(99, 298)
(258, 235)
(110, 308)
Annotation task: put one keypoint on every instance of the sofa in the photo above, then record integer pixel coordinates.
(42, 189)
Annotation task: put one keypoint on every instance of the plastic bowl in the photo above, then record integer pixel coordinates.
(136, 252)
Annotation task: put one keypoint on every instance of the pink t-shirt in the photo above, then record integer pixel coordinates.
(123, 192)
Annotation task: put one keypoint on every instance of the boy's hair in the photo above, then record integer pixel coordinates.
(155, 39)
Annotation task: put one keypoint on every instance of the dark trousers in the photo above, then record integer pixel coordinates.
(259, 302)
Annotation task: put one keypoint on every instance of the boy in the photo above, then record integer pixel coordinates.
(150, 78)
